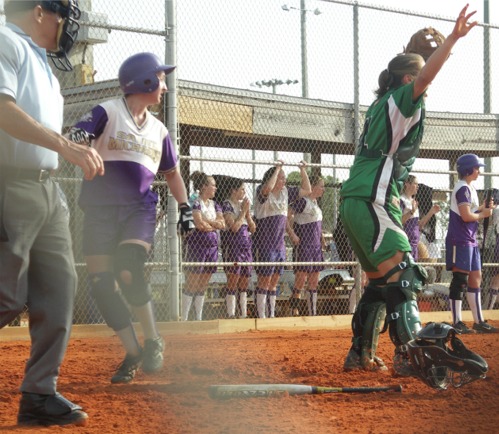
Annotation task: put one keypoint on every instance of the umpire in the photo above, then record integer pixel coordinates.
(36, 260)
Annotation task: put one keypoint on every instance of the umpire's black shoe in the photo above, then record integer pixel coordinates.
(127, 369)
(36, 409)
(153, 355)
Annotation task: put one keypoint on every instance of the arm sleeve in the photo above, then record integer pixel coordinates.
(94, 122)
(169, 158)
(463, 196)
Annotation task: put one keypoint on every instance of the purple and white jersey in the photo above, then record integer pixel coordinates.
(271, 214)
(308, 224)
(411, 226)
(461, 233)
(132, 155)
(234, 242)
(198, 240)
(306, 211)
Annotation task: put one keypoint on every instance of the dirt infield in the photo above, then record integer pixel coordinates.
(176, 400)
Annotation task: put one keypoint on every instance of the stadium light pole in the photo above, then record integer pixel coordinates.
(304, 56)
(273, 83)
(303, 32)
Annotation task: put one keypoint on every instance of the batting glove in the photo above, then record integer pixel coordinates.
(79, 135)
(186, 221)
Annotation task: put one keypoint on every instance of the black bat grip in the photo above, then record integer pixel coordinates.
(488, 197)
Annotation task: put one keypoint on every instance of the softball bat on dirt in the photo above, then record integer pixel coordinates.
(222, 391)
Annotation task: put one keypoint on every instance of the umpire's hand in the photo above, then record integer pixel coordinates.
(85, 157)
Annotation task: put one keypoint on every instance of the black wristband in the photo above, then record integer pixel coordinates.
(183, 205)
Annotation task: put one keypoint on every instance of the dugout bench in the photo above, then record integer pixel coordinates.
(333, 293)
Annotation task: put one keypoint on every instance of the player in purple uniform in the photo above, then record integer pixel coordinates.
(271, 210)
(305, 231)
(411, 220)
(201, 244)
(462, 251)
(236, 243)
(494, 283)
(120, 207)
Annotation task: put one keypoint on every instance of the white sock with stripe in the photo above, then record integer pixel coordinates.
(475, 303)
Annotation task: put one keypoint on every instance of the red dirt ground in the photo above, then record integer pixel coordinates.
(176, 400)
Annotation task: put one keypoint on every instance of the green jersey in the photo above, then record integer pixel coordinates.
(387, 147)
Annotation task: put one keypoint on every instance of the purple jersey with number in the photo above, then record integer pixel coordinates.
(132, 155)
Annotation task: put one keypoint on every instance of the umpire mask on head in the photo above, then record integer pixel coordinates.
(68, 30)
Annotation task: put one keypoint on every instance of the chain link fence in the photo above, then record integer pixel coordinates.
(262, 81)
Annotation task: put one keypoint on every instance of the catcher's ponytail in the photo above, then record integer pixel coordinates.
(399, 66)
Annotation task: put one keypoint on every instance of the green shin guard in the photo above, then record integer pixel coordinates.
(367, 323)
(373, 324)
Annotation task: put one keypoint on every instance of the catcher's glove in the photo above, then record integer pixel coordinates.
(424, 42)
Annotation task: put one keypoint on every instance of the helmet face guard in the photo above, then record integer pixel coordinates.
(439, 364)
(68, 30)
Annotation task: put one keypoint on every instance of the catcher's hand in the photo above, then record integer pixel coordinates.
(186, 221)
(424, 42)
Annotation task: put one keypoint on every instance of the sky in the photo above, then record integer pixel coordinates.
(236, 43)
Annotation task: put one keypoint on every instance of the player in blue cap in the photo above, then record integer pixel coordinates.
(462, 251)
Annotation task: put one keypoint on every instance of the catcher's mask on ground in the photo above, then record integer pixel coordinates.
(68, 30)
(440, 365)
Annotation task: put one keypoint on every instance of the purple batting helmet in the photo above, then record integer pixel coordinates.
(466, 163)
(138, 73)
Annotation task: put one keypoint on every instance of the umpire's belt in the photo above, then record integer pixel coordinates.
(12, 173)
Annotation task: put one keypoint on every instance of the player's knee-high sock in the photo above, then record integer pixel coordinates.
(493, 298)
(129, 340)
(243, 303)
(186, 305)
(272, 300)
(198, 305)
(312, 302)
(475, 303)
(230, 299)
(456, 308)
(261, 301)
(145, 315)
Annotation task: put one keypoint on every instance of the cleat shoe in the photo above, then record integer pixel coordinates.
(402, 366)
(484, 327)
(352, 362)
(127, 369)
(462, 328)
(152, 357)
(46, 410)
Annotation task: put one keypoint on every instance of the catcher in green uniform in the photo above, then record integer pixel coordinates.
(370, 209)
